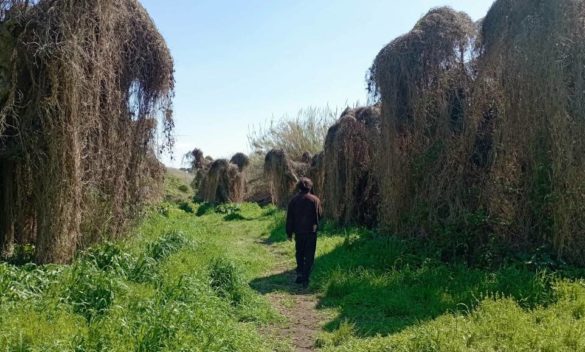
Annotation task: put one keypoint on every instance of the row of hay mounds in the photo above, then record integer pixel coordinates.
(349, 185)
(85, 87)
(483, 129)
(225, 181)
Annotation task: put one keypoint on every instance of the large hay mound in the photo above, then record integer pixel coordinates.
(199, 166)
(535, 176)
(486, 145)
(80, 84)
(225, 182)
(350, 188)
(283, 174)
(424, 83)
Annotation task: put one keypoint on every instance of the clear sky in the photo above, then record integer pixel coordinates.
(240, 62)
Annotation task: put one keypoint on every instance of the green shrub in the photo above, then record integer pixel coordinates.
(204, 209)
(187, 207)
(90, 292)
(226, 280)
(184, 188)
(168, 244)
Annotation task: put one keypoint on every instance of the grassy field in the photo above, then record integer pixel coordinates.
(194, 278)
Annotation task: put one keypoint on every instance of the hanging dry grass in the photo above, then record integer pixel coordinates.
(80, 85)
(532, 69)
(199, 166)
(487, 145)
(225, 182)
(283, 174)
(424, 81)
(317, 174)
(351, 193)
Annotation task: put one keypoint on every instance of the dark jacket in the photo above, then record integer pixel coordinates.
(304, 213)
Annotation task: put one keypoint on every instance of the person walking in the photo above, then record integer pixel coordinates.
(302, 219)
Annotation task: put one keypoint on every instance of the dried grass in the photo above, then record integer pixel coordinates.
(283, 175)
(84, 83)
(225, 181)
(483, 138)
(350, 188)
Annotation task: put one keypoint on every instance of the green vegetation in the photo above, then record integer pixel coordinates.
(193, 281)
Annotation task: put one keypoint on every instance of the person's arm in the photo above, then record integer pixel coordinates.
(290, 221)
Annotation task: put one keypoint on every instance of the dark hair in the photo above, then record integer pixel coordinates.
(305, 184)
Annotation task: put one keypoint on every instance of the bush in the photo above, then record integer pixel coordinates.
(168, 244)
(90, 292)
(226, 280)
(187, 207)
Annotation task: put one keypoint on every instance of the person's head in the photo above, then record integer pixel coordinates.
(305, 185)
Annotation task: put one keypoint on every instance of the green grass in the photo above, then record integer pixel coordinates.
(191, 278)
(179, 284)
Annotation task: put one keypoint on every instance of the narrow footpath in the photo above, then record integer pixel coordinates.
(299, 306)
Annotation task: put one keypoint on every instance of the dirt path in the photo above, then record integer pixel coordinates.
(298, 305)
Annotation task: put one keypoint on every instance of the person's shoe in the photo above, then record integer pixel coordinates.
(299, 279)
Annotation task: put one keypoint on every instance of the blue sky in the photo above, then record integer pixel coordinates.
(239, 63)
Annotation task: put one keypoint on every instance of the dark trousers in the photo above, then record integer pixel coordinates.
(305, 244)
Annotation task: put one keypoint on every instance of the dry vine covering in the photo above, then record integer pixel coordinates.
(84, 87)
(225, 181)
(424, 84)
(283, 174)
(350, 187)
(483, 136)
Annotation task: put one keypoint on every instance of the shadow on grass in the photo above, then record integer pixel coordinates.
(382, 284)
(281, 282)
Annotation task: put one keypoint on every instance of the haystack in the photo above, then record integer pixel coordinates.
(535, 176)
(80, 85)
(199, 166)
(317, 174)
(351, 193)
(283, 174)
(486, 145)
(424, 83)
(225, 181)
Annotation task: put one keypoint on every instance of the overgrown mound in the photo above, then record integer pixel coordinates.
(532, 71)
(225, 181)
(200, 165)
(350, 188)
(82, 84)
(283, 174)
(483, 137)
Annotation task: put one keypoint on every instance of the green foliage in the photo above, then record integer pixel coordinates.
(159, 291)
(168, 244)
(90, 291)
(184, 188)
(304, 133)
(204, 209)
(151, 292)
(23, 254)
(226, 280)
(187, 207)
